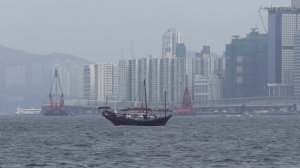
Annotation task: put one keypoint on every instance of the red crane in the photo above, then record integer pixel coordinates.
(186, 105)
(54, 104)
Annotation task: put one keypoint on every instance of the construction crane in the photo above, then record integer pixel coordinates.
(254, 29)
(261, 18)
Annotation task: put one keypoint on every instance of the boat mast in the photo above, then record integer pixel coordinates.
(145, 96)
(52, 104)
(105, 101)
(165, 103)
(56, 95)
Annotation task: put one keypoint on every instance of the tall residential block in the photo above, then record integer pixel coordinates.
(123, 80)
(90, 86)
(142, 74)
(153, 81)
(105, 81)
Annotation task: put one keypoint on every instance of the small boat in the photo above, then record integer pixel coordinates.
(57, 108)
(143, 116)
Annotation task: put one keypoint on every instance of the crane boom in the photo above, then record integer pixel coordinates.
(261, 19)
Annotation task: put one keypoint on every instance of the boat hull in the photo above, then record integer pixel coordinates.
(184, 111)
(56, 113)
(121, 120)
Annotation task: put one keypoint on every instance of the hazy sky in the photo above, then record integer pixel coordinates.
(97, 29)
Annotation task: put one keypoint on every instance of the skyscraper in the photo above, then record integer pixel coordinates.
(169, 41)
(90, 86)
(283, 23)
(153, 81)
(132, 80)
(105, 81)
(123, 80)
(180, 50)
(141, 76)
(296, 74)
(246, 66)
(207, 70)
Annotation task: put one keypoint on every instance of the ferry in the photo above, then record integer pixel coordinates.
(20, 110)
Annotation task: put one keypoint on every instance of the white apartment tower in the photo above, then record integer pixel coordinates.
(123, 80)
(153, 81)
(90, 86)
(180, 79)
(169, 41)
(105, 81)
(167, 79)
(132, 80)
(141, 76)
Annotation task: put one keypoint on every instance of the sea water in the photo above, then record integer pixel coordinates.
(186, 141)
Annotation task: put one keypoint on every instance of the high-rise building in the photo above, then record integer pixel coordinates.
(189, 73)
(208, 66)
(283, 23)
(123, 80)
(76, 80)
(207, 70)
(296, 72)
(180, 50)
(167, 81)
(169, 41)
(201, 88)
(105, 81)
(153, 81)
(205, 53)
(100, 81)
(90, 86)
(180, 79)
(132, 80)
(141, 76)
(206, 88)
(115, 95)
(246, 66)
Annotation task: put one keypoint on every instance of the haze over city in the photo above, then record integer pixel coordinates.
(101, 31)
(149, 83)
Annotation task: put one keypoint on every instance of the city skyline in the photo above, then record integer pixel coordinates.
(95, 31)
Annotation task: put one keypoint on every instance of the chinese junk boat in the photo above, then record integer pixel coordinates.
(57, 107)
(186, 105)
(143, 116)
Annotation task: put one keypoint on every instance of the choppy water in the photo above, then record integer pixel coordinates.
(202, 141)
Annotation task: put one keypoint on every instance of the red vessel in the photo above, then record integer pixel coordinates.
(186, 105)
